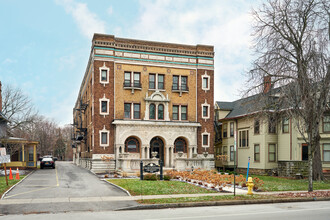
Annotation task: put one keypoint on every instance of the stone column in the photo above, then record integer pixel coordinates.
(167, 156)
(190, 152)
(148, 152)
(142, 152)
(171, 150)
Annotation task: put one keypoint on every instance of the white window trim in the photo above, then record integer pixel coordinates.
(208, 110)
(104, 130)
(208, 81)
(108, 71)
(100, 102)
(208, 139)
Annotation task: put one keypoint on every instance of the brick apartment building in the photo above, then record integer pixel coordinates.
(144, 100)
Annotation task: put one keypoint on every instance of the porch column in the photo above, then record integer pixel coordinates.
(23, 155)
(167, 156)
(35, 155)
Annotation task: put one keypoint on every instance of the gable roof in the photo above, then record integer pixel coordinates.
(249, 105)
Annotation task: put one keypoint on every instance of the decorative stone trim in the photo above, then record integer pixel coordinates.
(208, 81)
(208, 139)
(100, 102)
(208, 109)
(104, 130)
(108, 71)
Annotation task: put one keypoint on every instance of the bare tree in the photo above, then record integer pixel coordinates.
(18, 109)
(292, 48)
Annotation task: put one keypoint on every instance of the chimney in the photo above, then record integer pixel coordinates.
(267, 84)
(0, 98)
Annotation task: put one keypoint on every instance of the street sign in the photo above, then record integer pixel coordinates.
(2, 151)
(151, 168)
(5, 159)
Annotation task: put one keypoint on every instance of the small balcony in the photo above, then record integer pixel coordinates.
(180, 89)
(132, 85)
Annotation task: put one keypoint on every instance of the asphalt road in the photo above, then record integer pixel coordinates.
(67, 181)
(292, 211)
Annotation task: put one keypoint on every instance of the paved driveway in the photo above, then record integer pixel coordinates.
(66, 188)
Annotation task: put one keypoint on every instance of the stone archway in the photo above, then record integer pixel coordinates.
(157, 145)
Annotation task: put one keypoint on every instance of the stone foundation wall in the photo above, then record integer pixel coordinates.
(97, 165)
(292, 168)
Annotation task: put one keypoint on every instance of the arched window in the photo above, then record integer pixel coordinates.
(152, 111)
(160, 112)
(180, 145)
(132, 145)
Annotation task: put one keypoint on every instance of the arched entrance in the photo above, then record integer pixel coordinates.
(157, 145)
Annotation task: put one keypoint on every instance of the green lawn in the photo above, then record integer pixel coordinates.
(284, 184)
(203, 199)
(3, 185)
(138, 187)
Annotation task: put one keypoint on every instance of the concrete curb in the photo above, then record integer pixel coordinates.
(221, 203)
(3, 195)
(118, 187)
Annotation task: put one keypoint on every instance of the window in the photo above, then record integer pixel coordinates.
(231, 129)
(184, 80)
(156, 81)
(183, 112)
(285, 125)
(224, 131)
(132, 80)
(179, 112)
(127, 80)
(205, 139)
(232, 153)
(257, 126)
(326, 152)
(136, 111)
(160, 81)
(271, 152)
(152, 81)
(244, 138)
(326, 123)
(104, 106)
(152, 111)
(225, 150)
(180, 83)
(256, 153)
(127, 110)
(180, 145)
(271, 125)
(104, 74)
(104, 137)
(175, 112)
(205, 82)
(104, 103)
(132, 145)
(160, 112)
(175, 85)
(205, 111)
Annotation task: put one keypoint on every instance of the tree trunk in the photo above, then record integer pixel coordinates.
(310, 171)
(317, 164)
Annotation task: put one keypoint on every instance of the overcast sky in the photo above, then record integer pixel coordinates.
(45, 45)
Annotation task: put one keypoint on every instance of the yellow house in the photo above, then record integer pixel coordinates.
(272, 143)
(23, 153)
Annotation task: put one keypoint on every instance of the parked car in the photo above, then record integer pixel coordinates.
(47, 162)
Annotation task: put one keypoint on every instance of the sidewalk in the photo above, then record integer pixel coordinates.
(128, 198)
